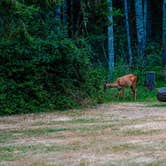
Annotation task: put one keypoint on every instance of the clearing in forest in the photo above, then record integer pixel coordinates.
(112, 134)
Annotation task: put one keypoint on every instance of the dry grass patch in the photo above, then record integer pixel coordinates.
(118, 134)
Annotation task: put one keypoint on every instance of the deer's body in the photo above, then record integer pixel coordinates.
(121, 83)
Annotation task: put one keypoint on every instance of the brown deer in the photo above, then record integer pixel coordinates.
(121, 83)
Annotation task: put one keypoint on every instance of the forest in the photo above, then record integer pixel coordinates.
(57, 54)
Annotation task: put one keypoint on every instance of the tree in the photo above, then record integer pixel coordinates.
(140, 27)
(164, 36)
(148, 20)
(128, 32)
(110, 41)
(41, 68)
(145, 10)
(58, 13)
(71, 13)
(64, 13)
(61, 12)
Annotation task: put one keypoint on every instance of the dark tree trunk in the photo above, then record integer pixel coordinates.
(126, 11)
(140, 27)
(58, 13)
(110, 42)
(148, 22)
(64, 13)
(164, 38)
(145, 14)
(70, 18)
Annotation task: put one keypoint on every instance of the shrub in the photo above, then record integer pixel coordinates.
(41, 67)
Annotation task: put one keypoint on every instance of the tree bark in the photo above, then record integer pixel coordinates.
(145, 19)
(110, 41)
(72, 16)
(126, 11)
(164, 38)
(58, 13)
(64, 13)
(140, 27)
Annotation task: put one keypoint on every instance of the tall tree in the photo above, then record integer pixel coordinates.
(145, 11)
(71, 13)
(126, 11)
(110, 41)
(148, 20)
(64, 13)
(61, 12)
(140, 27)
(164, 37)
(58, 13)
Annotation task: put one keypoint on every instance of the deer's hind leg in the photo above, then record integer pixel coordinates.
(133, 88)
(120, 92)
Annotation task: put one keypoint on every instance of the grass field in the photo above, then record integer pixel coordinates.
(113, 134)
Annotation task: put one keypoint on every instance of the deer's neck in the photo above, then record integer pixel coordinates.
(114, 85)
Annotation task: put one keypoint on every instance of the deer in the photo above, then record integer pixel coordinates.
(129, 80)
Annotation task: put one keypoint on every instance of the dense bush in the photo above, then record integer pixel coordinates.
(40, 66)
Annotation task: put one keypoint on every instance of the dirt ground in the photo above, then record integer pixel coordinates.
(110, 134)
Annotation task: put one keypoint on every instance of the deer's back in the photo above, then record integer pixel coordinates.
(127, 80)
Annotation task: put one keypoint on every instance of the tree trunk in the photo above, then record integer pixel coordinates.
(145, 19)
(71, 17)
(164, 38)
(110, 42)
(126, 11)
(140, 27)
(64, 13)
(148, 20)
(58, 13)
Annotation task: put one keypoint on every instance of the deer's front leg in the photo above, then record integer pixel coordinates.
(134, 93)
(120, 92)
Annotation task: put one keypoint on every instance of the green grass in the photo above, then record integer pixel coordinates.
(6, 137)
(123, 147)
(77, 121)
(81, 120)
(42, 131)
(12, 135)
(9, 153)
(42, 164)
(140, 132)
(157, 163)
(143, 95)
(158, 104)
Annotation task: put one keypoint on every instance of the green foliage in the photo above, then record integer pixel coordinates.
(94, 84)
(94, 28)
(41, 67)
(151, 62)
(143, 95)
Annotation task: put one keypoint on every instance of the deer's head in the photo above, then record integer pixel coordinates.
(106, 85)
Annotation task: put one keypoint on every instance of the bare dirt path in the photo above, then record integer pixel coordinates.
(113, 134)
